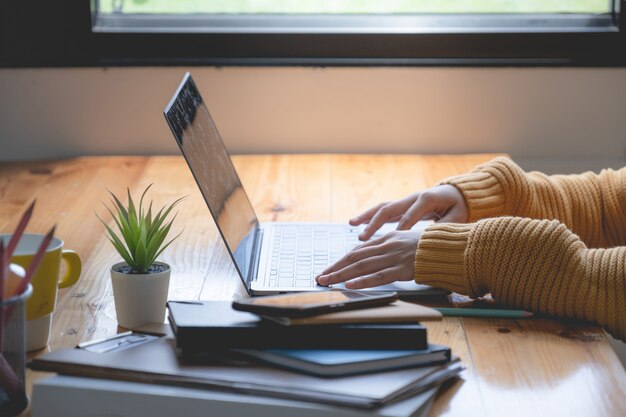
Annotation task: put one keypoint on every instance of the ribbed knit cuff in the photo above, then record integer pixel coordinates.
(482, 192)
(439, 260)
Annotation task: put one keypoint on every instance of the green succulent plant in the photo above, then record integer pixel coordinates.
(141, 235)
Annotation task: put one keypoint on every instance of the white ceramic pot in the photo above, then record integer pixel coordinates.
(140, 298)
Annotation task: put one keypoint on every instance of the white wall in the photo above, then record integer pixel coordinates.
(551, 118)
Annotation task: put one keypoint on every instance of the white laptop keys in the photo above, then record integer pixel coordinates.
(269, 257)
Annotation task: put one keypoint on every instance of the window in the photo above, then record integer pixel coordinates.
(320, 32)
(351, 16)
(352, 6)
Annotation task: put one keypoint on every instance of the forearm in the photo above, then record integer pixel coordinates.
(533, 264)
(591, 205)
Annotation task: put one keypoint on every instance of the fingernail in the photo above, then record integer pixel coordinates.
(350, 284)
(322, 279)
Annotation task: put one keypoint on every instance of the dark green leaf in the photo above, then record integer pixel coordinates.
(165, 246)
(157, 223)
(120, 206)
(141, 199)
(117, 243)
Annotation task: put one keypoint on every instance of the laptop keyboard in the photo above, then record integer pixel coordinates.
(300, 252)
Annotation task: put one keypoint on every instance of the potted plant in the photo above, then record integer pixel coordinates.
(140, 283)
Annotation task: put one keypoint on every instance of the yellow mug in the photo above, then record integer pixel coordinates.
(45, 282)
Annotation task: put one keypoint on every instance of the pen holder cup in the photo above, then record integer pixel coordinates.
(13, 399)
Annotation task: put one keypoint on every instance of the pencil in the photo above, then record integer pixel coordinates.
(484, 312)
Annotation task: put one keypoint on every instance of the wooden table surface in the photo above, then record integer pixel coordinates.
(532, 367)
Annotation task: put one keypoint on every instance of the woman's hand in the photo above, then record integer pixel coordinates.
(392, 257)
(377, 262)
(443, 203)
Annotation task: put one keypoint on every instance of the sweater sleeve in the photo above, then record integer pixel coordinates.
(538, 265)
(591, 205)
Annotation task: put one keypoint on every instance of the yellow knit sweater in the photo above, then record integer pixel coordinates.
(550, 244)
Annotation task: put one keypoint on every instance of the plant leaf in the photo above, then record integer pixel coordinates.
(121, 219)
(116, 241)
(121, 250)
(120, 207)
(165, 246)
(158, 238)
(141, 259)
(128, 234)
(141, 199)
(131, 205)
(132, 215)
(154, 226)
(141, 235)
(149, 217)
(113, 216)
(159, 221)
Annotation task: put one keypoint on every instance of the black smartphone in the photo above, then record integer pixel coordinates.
(303, 304)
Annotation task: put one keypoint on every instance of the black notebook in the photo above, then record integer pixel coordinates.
(202, 326)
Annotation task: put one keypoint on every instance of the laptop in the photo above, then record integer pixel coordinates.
(272, 257)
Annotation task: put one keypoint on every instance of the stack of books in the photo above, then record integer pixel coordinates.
(232, 363)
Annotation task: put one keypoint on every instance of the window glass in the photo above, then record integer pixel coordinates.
(351, 6)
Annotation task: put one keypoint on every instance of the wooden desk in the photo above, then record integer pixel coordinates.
(535, 367)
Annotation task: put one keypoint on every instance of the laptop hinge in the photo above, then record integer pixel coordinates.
(256, 256)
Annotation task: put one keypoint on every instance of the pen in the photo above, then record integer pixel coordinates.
(104, 339)
(484, 312)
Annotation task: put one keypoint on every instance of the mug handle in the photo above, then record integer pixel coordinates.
(74, 267)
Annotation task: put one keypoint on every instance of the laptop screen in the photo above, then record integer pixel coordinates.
(207, 157)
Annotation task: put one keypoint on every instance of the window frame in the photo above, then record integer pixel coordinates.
(61, 35)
